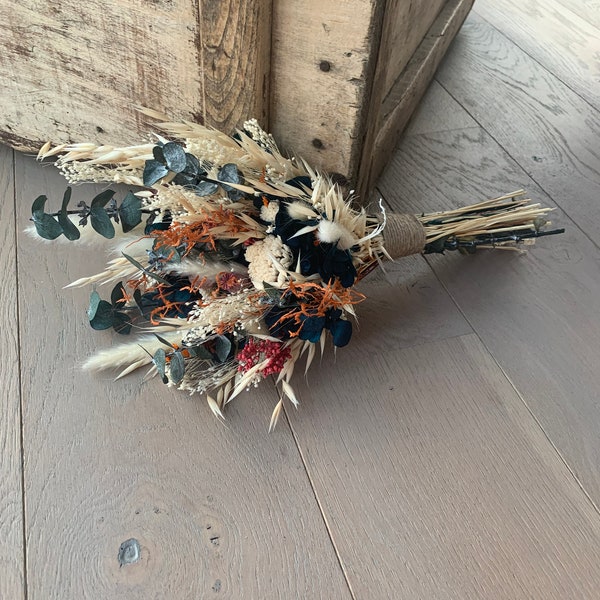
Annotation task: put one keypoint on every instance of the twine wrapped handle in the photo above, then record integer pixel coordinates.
(404, 235)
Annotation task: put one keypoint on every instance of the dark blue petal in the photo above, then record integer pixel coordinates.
(341, 332)
(312, 328)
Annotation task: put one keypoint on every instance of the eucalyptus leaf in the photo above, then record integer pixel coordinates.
(46, 226)
(93, 306)
(121, 323)
(175, 157)
(118, 296)
(158, 154)
(222, 348)
(70, 230)
(103, 318)
(177, 367)
(153, 171)
(101, 221)
(102, 198)
(201, 353)
(160, 362)
(130, 212)
(38, 204)
(205, 188)
(192, 165)
(229, 174)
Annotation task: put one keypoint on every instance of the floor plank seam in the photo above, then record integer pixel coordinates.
(521, 397)
(321, 510)
(537, 61)
(20, 383)
(524, 170)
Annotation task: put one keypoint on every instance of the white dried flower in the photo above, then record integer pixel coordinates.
(269, 212)
(332, 232)
(268, 261)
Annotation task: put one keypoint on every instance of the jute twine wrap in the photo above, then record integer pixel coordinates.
(403, 235)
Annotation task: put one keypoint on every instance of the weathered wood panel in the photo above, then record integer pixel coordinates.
(12, 575)
(555, 36)
(76, 71)
(390, 111)
(323, 58)
(217, 509)
(436, 481)
(235, 58)
(405, 26)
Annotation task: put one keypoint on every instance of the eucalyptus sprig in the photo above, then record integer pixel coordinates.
(101, 213)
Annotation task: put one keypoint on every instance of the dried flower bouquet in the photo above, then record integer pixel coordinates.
(234, 261)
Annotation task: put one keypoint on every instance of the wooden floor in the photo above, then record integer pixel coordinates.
(452, 451)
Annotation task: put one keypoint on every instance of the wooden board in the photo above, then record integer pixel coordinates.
(390, 111)
(536, 314)
(486, 73)
(12, 575)
(436, 481)
(190, 60)
(405, 26)
(323, 57)
(217, 509)
(555, 36)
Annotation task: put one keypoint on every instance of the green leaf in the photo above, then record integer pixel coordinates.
(93, 307)
(46, 226)
(101, 221)
(135, 263)
(102, 199)
(69, 228)
(177, 367)
(229, 174)
(103, 318)
(222, 348)
(157, 152)
(153, 171)
(130, 212)
(205, 188)
(38, 204)
(160, 362)
(118, 296)
(200, 352)
(121, 323)
(192, 165)
(174, 157)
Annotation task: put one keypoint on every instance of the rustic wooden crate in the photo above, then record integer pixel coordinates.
(335, 80)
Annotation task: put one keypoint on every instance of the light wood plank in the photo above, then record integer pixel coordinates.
(589, 10)
(437, 483)
(437, 112)
(537, 314)
(217, 509)
(12, 563)
(547, 128)
(563, 42)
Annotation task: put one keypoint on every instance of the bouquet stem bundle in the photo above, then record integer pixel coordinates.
(234, 261)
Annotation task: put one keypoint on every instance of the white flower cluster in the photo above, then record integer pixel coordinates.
(205, 319)
(269, 260)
